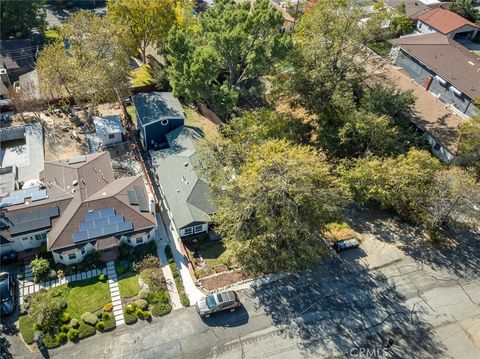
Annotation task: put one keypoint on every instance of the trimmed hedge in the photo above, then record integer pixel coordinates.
(184, 299)
(72, 335)
(130, 318)
(62, 337)
(74, 323)
(85, 331)
(100, 326)
(161, 309)
(89, 318)
(142, 304)
(109, 323)
(50, 341)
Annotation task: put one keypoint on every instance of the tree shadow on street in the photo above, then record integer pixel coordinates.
(457, 254)
(340, 307)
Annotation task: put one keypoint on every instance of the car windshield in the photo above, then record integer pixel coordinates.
(211, 303)
(4, 294)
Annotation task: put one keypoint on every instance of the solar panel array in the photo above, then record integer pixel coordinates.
(101, 223)
(19, 197)
(32, 221)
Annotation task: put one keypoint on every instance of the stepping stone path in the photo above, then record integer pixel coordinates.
(27, 286)
(115, 293)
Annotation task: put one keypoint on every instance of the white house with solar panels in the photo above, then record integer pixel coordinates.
(78, 208)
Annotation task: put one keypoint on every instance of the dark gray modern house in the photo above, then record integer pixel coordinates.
(185, 194)
(158, 113)
(447, 70)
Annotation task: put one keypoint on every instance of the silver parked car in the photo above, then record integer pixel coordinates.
(218, 302)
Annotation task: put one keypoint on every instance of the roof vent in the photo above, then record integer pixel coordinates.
(471, 63)
(185, 164)
(73, 190)
(178, 191)
(104, 193)
(74, 183)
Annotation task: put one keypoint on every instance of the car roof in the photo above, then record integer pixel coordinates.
(228, 296)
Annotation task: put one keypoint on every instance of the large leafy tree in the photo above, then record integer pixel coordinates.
(92, 64)
(328, 61)
(235, 44)
(466, 9)
(455, 197)
(402, 183)
(272, 212)
(469, 144)
(18, 18)
(148, 21)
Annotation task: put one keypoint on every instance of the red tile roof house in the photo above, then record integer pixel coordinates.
(80, 209)
(447, 23)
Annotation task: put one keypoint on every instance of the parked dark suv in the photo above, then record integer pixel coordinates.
(7, 293)
(218, 302)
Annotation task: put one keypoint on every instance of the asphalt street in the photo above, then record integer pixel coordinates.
(402, 310)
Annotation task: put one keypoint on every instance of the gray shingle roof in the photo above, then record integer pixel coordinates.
(187, 195)
(155, 106)
(447, 58)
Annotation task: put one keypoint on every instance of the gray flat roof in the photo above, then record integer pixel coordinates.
(187, 194)
(155, 106)
(105, 125)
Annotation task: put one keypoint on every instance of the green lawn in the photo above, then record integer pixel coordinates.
(214, 253)
(142, 76)
(87, 295)
(26, 328)
(128, 285)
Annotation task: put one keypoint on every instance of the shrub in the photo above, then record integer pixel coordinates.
(24, 309)
(161, 309)
(20, 276)
(105, 316)
(50, 341)
(45, 309)
(65, 317)
(129, 317)
(148, 262)
(89, 318)
(100, 326)
(143, 294)
(153, 277)
(74, 323)
(142, 304)
(85, 330)
(184, 299)
(130, 309)
(62, 337)
(37, 327)
(158, 297)
(139, 313)
(120, 270)
(109, 323)
(65, 328)
(40, 267)
(72, 335)
(108, 307)
(63, 305)
(102, 277)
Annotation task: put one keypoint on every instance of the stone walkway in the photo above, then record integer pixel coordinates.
(167, 273)
(115, 293)
(27, 286)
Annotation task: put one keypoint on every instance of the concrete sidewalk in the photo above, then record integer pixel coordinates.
(167, 273)
(171, 237)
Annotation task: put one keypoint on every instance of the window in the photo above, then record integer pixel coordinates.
(72, 256)
(436, 147)
(128, 240)
(139, 240)
(25, 239)
(198, 228)
(111, 135)
(60, 256)
(164, 122)
(83, 251)
(41, 237)
(187, 231)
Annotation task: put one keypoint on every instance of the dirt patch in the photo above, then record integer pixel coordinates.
(222, 280)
